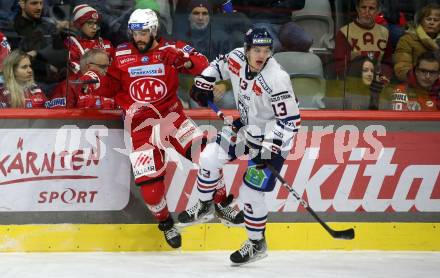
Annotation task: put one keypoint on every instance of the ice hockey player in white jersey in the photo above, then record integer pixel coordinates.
(269, 120)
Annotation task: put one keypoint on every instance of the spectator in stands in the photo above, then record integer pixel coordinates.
(421, 91)
(86, 19)
(363, 37)
(43, 42)
(6, 12)
(395, 22)
(269, 14)
(424, 37)
(90, 88)
(363, 85)
(223, 16)
(20, 90)
(210, 40)
(4, 51)
(201, 34)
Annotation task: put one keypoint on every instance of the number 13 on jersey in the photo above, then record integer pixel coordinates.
(279, 109)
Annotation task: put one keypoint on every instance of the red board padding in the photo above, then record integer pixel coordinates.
(207, 114)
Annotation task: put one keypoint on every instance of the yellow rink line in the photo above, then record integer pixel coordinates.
(280, 236)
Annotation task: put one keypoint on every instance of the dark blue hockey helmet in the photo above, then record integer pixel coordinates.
(257, 37)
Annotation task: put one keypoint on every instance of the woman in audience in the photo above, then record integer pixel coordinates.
(363, 85)
(19, 89)
(425, 37)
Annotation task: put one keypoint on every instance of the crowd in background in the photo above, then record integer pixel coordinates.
(376, 55)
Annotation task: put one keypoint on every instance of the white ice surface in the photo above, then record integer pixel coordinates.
(321, 264)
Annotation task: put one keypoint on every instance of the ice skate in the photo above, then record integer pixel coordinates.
(200, 212)
(171, 233)
(250, 251)
(229, 215)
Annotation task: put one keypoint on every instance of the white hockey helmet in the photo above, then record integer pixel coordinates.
(143, 19)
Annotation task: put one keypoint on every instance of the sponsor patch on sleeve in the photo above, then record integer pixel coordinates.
(234, 66)
(188, 49)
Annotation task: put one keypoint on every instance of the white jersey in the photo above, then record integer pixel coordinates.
(267, 104)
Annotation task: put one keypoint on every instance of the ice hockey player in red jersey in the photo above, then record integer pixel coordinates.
(147, 70)
(86, 20)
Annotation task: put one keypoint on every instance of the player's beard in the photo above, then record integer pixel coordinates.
(147, 45)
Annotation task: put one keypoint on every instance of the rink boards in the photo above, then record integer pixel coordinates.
(204, 237)
(65, 185)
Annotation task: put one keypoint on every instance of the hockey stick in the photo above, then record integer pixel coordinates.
(344, 234)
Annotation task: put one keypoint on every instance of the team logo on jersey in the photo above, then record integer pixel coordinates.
(234, 66)
(147, 90)
(150, 70)
(145, 59)
(130, 59)
(256, 89)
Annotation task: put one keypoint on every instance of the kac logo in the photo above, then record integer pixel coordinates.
(147, 90)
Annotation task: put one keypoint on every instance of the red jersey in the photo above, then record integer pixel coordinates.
(91, 96)
(4, 49)
(33, 98)
(78, 46)
(410, 96)
(143, 78)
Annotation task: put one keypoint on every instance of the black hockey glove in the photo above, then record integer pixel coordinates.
(269, 151)
(201, 90)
